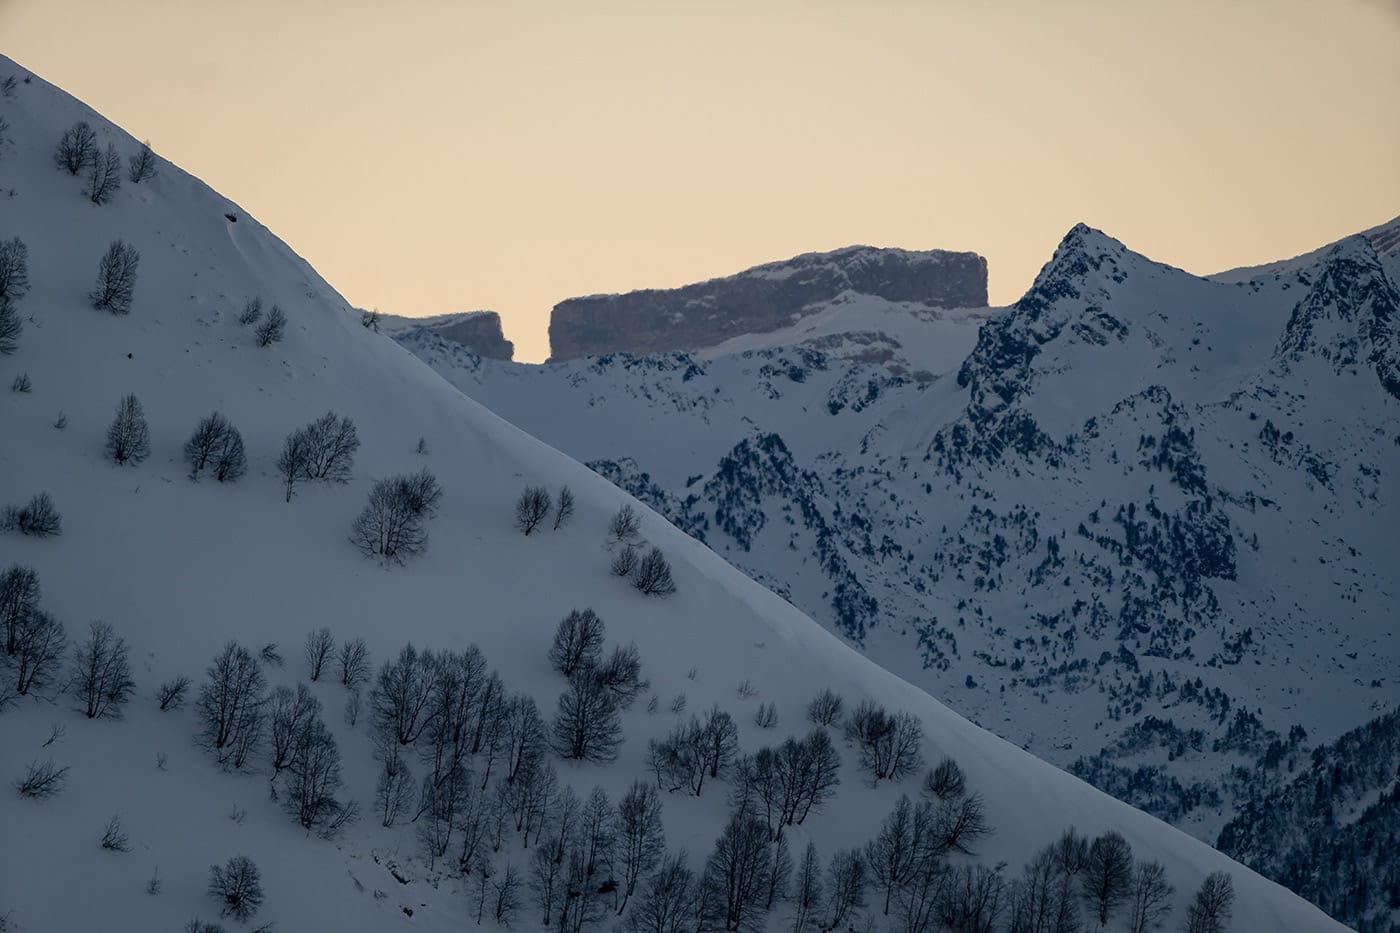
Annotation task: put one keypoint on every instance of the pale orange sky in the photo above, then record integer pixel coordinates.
(442, 155)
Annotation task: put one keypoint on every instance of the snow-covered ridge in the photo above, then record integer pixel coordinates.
(763, 299)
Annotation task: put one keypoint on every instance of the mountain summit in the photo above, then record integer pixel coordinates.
(763, 299)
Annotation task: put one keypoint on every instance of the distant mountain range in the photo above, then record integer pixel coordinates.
(1141, 522)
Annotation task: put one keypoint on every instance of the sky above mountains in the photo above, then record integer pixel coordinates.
(437, 156)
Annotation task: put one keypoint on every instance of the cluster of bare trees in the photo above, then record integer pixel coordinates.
(34, 640)
(116, 278)
(1075, 875)
(38, 518)
(324, 449)
(393, 522)
(14, 285)
(238, 717)
(218, 445)
(694, 751)
(648, 571)
(534, 508)
(586, 726)
(783, 785)
(78, 150)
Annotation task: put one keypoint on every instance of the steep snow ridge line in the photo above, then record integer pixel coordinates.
(178, 567)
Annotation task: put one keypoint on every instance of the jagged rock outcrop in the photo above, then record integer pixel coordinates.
(762, 299)
(478, 331)
(1350, 315)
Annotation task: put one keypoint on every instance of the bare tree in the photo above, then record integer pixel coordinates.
(104, 175)
(738, 872)
(718, 743)
(388, 526)
(19, 597)
(217, 444)
(291, 463)
(319, 649)
(888, 744)
(142, 166)
(42, 780)
(564, 508)
(420, 492)
(825, 708)
(332, 443)
(946, 781)
(237, 887)
(14, 285)
(578, 642)
(313, 777)
(39, 644)
(116, 278)
(845, 886)
(766, 716)
(807, 892)
(641, 841)
(1107, 878)
(625, 527)
(597, 832)
(1210, 910)
(587, 726)
(401, 703)
(76, 149)
(230, 462)
(531, 508)
(171, 694)
(231, 706)
(546, 883)
(354, 663)
(524, 732)
(779, 873)
(11, 326)
(251, 313)
(961, 822)
(1150, 897)
(653, 575)
(102, 672)
(505, 896)
(128, 436)
(272, 329)
(624, 562)
(114, 838)
(38, 518)
(288, 715)
(621, 675)
(393, 794)
(667, 903)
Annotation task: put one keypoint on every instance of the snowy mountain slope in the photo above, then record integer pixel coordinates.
(178, 568)
(905, 338)
(1146, 530)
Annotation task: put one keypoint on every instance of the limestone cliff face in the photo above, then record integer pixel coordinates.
(478, 331)
(762, 299)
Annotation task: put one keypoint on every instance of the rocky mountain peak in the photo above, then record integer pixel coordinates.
(1350, 314)
(762, 299)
